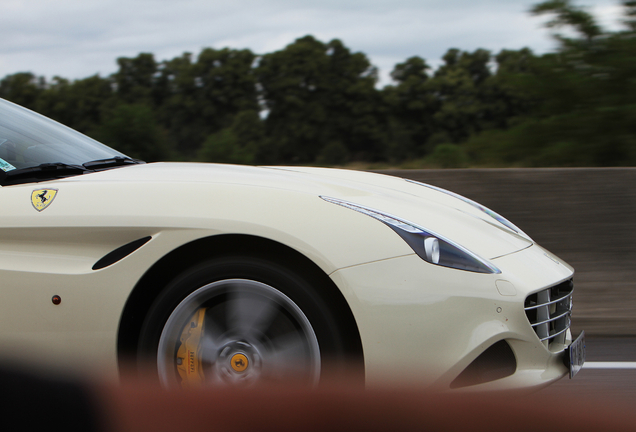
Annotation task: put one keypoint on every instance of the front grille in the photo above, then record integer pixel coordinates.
(549, 312)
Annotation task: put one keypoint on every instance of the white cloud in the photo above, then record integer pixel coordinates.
(78, 38)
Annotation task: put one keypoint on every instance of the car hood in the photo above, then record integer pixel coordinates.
(432, 209)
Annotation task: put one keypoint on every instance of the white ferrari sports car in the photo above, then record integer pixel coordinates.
(210, 274)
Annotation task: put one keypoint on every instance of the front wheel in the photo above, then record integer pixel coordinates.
(240, 321)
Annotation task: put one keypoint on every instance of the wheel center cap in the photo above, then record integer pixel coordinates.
(239, 362)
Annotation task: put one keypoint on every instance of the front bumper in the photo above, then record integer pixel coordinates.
(423, 324)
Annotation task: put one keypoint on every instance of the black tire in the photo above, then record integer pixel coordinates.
(240, 320)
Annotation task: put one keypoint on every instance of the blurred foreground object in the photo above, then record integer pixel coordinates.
(338, 408)
(34, 404)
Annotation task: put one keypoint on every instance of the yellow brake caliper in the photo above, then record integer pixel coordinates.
(189, 353)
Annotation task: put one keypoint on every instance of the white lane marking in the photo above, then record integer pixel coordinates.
(609, 365)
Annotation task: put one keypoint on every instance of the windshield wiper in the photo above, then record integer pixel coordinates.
(111, 162)
(45, 171)
(49, 171)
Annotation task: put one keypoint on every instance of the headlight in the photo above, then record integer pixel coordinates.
(496, 216)
(429, 246)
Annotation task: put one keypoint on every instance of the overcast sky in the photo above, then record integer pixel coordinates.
(79, 38)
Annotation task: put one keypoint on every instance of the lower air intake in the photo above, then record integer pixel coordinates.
(495, 363)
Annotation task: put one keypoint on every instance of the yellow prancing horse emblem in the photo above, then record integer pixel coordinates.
(42, 198)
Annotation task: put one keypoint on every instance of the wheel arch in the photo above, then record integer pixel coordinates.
(171, 265)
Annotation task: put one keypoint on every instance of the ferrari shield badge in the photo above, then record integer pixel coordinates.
(42, 198)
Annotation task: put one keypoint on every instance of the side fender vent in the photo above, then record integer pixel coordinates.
(495, 363)
(120, 253)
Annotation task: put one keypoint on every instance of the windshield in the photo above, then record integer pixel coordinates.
(29, 140)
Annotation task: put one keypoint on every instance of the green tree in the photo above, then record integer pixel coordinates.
(448, 156)
(412, 104)
(241, 143)
(509, 98)
(581, 99)
(467, 100)
(203, 97)
(77, 104)
(135, 79)
(133, 130)
(22, 88)
(565, 14)
(316, 94)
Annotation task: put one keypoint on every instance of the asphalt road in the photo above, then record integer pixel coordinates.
(602, 384)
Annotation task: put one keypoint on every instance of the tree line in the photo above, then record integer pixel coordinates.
(317, 102)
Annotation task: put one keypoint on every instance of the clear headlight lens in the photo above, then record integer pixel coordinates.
(429, 246)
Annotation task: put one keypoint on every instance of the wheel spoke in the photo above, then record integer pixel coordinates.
(249, 314)
(212, 341)
(289, 357)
